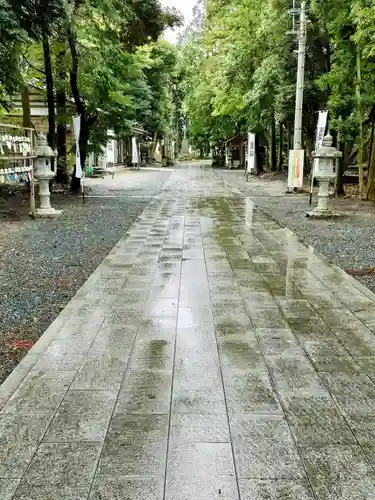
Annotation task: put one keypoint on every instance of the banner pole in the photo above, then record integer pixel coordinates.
(320, 133)
(79, 171)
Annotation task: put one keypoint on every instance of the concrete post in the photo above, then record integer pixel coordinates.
(297, 140)
(297, 143)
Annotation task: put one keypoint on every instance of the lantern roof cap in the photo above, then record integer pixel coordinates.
(326, 150)
(42, 149)
(328, 140)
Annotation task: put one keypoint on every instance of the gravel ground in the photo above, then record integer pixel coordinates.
(348, 241)
(44, 262)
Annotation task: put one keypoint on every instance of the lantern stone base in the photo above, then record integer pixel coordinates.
(322, 214)
(294, 190)
(322, 210)
(47, 213)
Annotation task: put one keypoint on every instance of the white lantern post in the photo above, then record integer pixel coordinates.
(44, 174)
(326, 157)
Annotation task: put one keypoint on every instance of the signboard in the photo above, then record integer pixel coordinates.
(295, 170)
(250, 153)
(185, 147)
(77, 130)
(135, 156)
(320, 132)
(110, 151)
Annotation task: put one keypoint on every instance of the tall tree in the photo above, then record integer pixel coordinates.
(12, 37)
(110, 32)
(39, 19)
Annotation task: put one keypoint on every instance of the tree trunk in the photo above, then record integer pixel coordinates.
(273, 145)
(242, 154)
(371, 141)
(50, 91)
(62, 175)
(84, 138)
(154, 144)
(310, 146)
(342, 165)
(370, 187)
(81, 110)
(26, 111)
(360, 122)
(258, 157)
(281, 147)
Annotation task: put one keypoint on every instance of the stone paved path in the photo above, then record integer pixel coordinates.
(211, 356)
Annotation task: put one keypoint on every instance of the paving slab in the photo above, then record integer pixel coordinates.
(210, 356)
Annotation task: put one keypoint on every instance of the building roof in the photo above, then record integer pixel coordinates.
(236, 139)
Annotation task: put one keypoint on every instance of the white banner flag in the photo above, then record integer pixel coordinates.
(77, 130)
(320, 132)
(250, 152)
(135, 157)
(110, 151)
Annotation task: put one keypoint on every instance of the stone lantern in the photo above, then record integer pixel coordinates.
(326, 157)
(43, 173)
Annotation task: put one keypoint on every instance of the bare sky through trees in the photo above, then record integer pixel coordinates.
(186, 8)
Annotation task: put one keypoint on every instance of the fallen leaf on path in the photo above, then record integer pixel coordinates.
(21, 344)
(362, 272)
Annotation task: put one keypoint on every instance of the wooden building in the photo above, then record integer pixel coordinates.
(235, 151)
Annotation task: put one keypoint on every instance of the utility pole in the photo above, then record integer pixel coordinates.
(297, 143)
(297, 140)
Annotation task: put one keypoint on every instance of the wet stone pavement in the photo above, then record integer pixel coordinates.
(211, 356)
